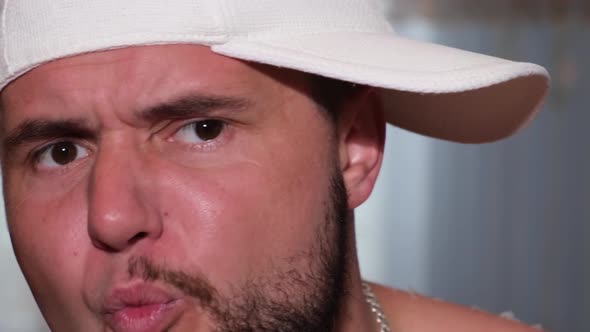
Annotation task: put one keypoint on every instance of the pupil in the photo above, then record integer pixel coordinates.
(208, 130)
(64, 153)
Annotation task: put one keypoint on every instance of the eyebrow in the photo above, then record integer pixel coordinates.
(38, 130)
(196, 105)
(192, 106)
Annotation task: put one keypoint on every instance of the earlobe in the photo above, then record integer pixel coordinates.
(361, 142)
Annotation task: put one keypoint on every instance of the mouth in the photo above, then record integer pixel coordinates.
(142, 308)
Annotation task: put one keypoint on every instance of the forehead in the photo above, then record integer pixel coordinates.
(145, 75)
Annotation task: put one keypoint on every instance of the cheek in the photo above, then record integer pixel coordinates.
(236, 220)
(48, 235)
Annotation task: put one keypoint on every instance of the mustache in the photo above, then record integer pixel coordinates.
(194, 285)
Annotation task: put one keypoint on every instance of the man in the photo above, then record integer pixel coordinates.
(194, 165)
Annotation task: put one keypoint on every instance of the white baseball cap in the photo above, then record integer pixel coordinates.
(429, 89)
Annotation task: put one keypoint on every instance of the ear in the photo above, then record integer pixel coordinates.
(361, 139)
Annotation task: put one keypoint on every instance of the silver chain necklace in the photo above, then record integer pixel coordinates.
(375, 308)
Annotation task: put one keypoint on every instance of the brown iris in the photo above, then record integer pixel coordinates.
(208, 130)
(64, 153)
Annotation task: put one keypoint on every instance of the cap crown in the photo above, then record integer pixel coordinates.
(36, 31)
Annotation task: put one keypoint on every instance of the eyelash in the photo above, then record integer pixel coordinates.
(206, 146)
(35, 156)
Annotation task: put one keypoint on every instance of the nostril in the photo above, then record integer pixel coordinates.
(103, 246)
(137, 237)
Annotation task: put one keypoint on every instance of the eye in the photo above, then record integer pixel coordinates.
(200, 131)
(60, 154)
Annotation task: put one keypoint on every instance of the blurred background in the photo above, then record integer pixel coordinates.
(503, 227)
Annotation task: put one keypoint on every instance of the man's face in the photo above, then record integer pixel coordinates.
(166, 186)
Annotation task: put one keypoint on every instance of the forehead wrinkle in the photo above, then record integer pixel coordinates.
(91, 59)
(139, 84)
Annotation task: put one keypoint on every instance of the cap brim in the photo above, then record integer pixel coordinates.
(429, 89)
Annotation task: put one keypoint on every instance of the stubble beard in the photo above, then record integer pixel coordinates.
(286, 299)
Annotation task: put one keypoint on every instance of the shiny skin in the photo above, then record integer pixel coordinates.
(237, 207)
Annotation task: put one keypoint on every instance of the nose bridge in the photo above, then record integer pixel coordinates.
(119, 213)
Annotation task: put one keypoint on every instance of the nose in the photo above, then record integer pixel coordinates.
(120, 212)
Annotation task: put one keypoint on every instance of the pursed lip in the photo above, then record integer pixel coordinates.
(141, 308)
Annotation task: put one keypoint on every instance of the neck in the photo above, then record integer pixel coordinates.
(355, 314)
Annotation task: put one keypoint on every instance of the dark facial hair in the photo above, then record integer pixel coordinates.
(285, 300)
